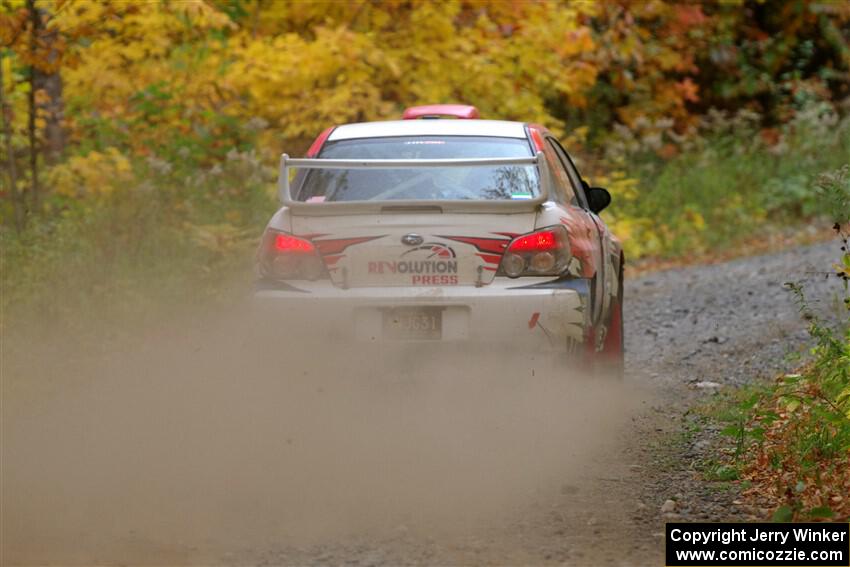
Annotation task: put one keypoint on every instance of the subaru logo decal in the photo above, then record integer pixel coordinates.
(411, 239)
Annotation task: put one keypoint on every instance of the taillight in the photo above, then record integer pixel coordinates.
(545, 252)
(287, 257)
(285, 243)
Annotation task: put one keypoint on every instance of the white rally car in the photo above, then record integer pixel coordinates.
(445, 230)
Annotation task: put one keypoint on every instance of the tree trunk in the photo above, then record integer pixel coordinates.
(35, 24)
(48, 84)
(17, 205)
(54, 112)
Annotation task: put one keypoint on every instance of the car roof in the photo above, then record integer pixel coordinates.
(429, 127)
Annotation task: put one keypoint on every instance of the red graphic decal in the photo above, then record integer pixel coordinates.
(441, 251)
(490, 258)
(317, 144)
(581, 246)
(533, 321)
(338, 245)
(486, 245)
(378, 267)
(331, 260)
(435, 249)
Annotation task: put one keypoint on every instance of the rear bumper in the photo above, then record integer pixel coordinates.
(538, 314)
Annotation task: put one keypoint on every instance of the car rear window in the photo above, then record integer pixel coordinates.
(427, 183)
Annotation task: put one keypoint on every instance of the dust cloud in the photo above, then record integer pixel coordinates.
(205, 440)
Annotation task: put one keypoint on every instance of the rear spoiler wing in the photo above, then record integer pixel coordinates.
(353, 207)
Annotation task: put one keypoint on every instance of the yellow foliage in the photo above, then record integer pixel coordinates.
(143, 45)
(621, 186)
(635, 233)
(640, 236)
(219, 238)
(92, 175)
(302, 67)
(695, 219)
(273, 75)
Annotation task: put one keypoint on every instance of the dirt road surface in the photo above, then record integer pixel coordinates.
(218, 441)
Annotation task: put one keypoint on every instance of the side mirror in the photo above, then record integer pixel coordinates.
(598, 198)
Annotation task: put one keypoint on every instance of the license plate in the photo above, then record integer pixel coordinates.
(413, 323)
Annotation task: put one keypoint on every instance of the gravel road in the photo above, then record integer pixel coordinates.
(141, 458)
(690, 332)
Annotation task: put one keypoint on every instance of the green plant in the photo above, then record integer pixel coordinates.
(792, 438)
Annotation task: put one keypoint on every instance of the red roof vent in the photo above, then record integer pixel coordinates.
(462, 111)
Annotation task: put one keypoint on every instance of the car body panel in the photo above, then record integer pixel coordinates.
(506, 313)
(455, 249)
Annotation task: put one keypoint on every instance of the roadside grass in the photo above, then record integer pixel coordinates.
(160, 240)
(789, 439)
(786, 447)
(726, 185)
(729, 413)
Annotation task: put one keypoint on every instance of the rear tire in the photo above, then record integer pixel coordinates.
(613, 351)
